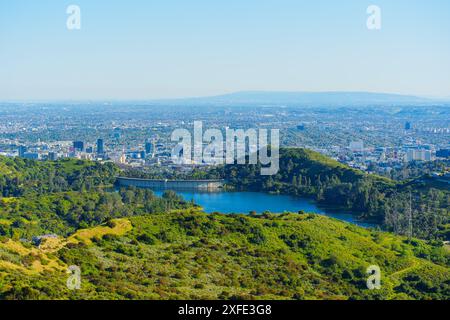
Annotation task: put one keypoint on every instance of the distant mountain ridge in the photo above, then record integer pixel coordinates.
(331, 99)
(314, 99)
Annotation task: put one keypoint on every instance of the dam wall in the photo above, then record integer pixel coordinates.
(205, 185)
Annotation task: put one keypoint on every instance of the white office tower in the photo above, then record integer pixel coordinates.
(418, 155)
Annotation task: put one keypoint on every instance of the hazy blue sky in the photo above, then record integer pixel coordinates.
(173, 48)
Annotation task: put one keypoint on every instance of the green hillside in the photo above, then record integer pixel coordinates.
(21, 176)
(131, 244)
(192, 255)
(309, 174)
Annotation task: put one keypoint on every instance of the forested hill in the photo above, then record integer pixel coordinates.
(133, 245)
(192, 255)
(20, 176)
(308, 173)
(302, 172)
(60, 197)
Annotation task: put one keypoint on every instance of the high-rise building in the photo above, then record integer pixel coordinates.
(408, 126)
(22, 150)
(123, 158)
(31, 155)
(418, 155)
(149, 148)
(52, 156)
(78, 145)
(100, 146)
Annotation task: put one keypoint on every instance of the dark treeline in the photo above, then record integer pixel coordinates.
(395, 205)
(63, 196)
(65, 212)
(21, 176)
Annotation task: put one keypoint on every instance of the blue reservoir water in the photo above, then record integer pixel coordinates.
(244, 202)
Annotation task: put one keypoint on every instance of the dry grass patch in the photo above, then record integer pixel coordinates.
(121, 226)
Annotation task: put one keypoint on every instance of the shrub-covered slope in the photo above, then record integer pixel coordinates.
(192, 255)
